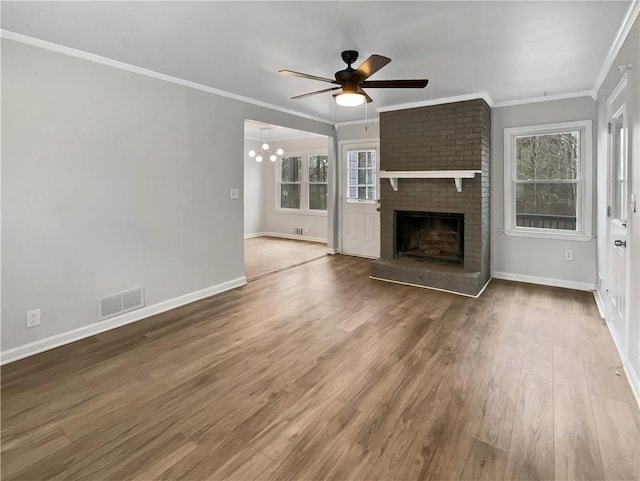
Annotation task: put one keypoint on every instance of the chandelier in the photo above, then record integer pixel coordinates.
(265, 153)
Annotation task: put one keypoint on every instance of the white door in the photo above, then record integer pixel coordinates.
(617, 227)
(359, 193)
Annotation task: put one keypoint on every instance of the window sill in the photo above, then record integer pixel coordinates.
(538, 234)
(317, 213)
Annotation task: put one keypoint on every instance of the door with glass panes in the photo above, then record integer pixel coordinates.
(360, 216)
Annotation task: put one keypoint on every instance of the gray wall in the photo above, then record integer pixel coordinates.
(112, 180)
(629, 54)
(535, 257)
(253, 190)
(359, 131)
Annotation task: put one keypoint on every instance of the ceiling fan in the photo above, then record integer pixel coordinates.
(352, 81)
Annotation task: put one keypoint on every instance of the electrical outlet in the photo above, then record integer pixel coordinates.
(305, 229)
(234, 194)
(568, 255)
(33, 318)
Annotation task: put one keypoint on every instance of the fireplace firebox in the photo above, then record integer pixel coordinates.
(430, 236)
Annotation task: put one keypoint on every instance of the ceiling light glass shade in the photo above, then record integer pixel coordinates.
(349, 99)
(264, 152)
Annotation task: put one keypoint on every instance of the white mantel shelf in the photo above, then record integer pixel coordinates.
(456, 175)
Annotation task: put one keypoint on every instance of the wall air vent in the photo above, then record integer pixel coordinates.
(120, 303)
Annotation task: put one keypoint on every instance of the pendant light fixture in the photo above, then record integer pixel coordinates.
(265, 152)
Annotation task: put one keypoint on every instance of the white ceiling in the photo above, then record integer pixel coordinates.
(262, 131)
(510, 49)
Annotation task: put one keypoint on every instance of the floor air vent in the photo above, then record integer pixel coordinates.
(120, 303)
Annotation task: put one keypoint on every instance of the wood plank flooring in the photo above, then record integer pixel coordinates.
(318, 372)
(267, 255)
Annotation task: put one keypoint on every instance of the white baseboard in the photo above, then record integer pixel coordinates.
(287, 236)
(332, 251)
(41, 345)
(634, 381)
(256, 234)
(545, 281)
(599, 303)
(632, 375)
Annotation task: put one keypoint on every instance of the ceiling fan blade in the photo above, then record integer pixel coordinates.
(370, 66)
(316, 92)
(307, 76)
(396, 84)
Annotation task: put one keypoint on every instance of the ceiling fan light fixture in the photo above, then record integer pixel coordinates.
(350, 99)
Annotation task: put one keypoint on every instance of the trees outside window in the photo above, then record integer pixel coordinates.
(290, 169)
(318, 182)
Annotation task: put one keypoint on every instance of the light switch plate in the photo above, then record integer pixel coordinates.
(234, 194)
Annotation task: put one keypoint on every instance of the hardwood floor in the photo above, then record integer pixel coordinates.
(318, 372)
(267, 255)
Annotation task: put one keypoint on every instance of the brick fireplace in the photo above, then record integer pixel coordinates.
(432, 235)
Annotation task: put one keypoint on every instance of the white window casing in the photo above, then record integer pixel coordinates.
(583, 181)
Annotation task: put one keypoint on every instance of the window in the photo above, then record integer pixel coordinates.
(290, 170)
(318, 182)
(361, 176)
(548, 180)
(302, 183)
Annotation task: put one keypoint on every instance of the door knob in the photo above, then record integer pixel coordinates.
(620, 243)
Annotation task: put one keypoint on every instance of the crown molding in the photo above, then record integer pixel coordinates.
(358, 122)
(547, 98)
(624, 30)
(72, 52)
(443, 100)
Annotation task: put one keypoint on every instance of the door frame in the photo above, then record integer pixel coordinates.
(373, 142)
(617, 103)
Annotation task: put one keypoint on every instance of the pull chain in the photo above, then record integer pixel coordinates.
(366, 127)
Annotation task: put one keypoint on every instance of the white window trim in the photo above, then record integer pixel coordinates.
(584, 206)
(304, 185)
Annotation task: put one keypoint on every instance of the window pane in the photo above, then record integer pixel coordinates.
(546, 206)
(547, 156)
(290, 169)
(619, 167)
(318, 196)
(290, 196)
(361, 176)
(318, 168)
(371, 159)
(362, 159)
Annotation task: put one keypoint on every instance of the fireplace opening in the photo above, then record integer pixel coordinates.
(430, 236)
